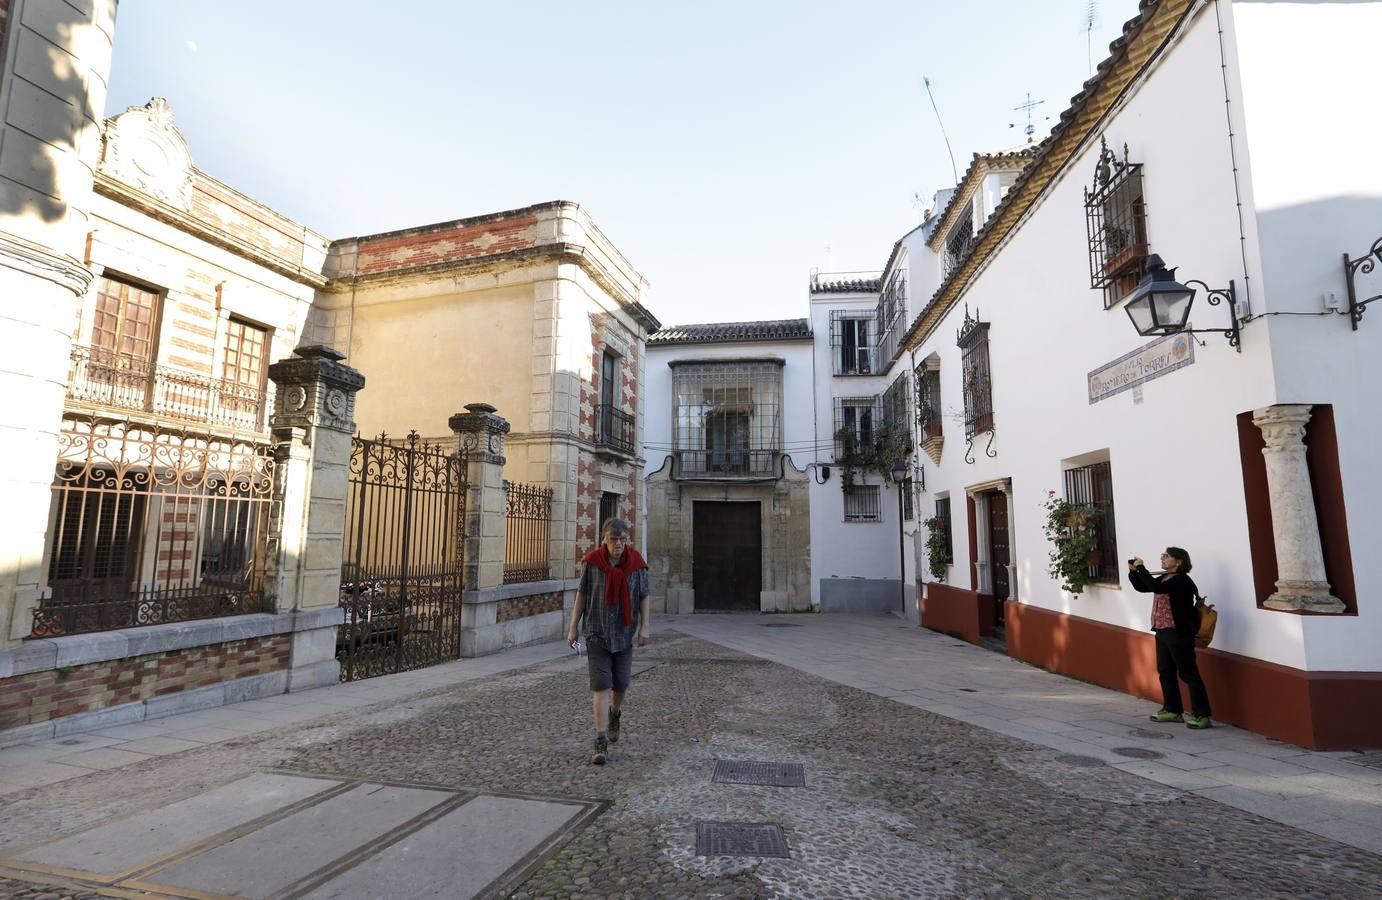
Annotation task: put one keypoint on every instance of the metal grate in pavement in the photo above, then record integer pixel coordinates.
(732, 771)
(1075, 759)
(1138, 753)
(741, 839)
(1151, 734)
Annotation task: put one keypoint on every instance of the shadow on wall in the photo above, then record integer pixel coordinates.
(1303, 245)
(47, 112)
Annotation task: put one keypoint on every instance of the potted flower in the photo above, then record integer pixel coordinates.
(1074, 540)
(938, 558)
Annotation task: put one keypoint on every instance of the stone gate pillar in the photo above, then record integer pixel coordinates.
(480, 436)
(312, 423)
(1301, 582)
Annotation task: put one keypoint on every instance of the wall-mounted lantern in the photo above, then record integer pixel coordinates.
(1160, 304)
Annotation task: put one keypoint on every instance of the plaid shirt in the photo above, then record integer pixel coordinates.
(604, 622)
(1161, 612)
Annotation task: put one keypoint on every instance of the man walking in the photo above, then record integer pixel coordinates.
(614, 605)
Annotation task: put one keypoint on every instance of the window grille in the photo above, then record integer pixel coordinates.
(908, 513)
(928, 383)
(943, 516)
(727, 419)
(891, 316)
(1116, 217)
(857, 421)
(1092, 487)
(851, 342)
(609, 509)
(973, 340)
(862, 503)
(897, 414)
(960, 240)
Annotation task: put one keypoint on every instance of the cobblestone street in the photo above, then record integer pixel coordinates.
(898, 801)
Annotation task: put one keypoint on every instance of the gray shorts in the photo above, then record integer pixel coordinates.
(609, 670)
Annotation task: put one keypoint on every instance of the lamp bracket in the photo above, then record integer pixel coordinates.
(988, 449)
(1352, 267)
(1215, 296)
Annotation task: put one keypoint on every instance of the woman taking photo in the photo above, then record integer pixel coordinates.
(1175, 623)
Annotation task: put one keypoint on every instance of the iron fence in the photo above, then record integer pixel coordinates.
(727, 463)
(614, 428)
(105, 378)
(402, 571)
(527, 528)
(150, 525)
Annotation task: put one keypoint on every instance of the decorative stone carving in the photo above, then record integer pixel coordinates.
(1301, 583)
(145, 150)
(315, 390)
(481, 432)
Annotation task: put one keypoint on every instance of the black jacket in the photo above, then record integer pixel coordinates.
(1182, 592)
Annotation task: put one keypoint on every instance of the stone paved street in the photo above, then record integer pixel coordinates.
(899, 800)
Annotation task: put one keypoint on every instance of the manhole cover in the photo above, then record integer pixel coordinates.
(1137, 753)
(70, 742)
(970, 690)
(779, 624)
(1150, 734)
(740, 839)
(1374, 760)
(1074, 759)
(729, 771)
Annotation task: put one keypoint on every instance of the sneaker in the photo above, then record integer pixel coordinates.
(1198, 722)
(614, 716)
(1163, 715)
(601, 751)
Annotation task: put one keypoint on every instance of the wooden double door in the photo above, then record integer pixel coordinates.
(727, 556)
(1000, 550)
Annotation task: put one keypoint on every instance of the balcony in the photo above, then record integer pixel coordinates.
(615, 429)
(114, 381)
(728, 464)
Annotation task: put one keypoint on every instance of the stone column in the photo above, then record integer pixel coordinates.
(1300, 580)
(983, 579)
(480, 435)
(1012, 544)
(54, 66)
(312, 423)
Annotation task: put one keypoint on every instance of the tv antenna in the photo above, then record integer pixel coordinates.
(1027, 107)
(1091, 18)
(953, 170)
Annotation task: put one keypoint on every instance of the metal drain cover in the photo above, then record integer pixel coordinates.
(970, 690)
(731, 771)
(1074, 759)
(1138, 753)
(779, 624)
(741, 839)
(1151, 734)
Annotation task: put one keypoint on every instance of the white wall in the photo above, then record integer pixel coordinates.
(1313, 133)
(1175, 457)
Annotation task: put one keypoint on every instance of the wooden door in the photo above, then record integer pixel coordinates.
(727, 556)
(999, 552)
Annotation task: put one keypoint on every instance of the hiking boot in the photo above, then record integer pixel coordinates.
(1198, 722)
(614, 716)
(601, 751)
(1163, 715)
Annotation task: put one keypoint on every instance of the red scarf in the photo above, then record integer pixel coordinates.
(617, 577)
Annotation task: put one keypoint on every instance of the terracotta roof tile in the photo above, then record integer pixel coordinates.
(733, 332)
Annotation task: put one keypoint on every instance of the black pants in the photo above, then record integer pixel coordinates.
(1175, 655)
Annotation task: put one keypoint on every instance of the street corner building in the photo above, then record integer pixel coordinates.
(1158, 318)
(241, 458)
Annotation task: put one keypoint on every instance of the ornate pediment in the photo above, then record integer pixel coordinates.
(145, 150)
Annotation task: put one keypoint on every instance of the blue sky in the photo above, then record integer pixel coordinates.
(722, 146)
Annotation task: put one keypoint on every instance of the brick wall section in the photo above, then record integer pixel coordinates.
(587, 466)
(445, 243)
(229, 211)
(41, 696)
(523, 607)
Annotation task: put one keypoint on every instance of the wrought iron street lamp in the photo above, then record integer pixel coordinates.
(899, 476)
(1160, 304)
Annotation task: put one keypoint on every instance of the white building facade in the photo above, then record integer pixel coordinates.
(1030, 381)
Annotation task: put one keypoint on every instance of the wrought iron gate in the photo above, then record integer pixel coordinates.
(401, 572)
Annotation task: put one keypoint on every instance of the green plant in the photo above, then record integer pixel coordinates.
(1071, 531)
(938, 558)
(878, 456)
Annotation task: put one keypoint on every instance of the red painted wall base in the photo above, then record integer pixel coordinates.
(1318, 710)
(963, 613)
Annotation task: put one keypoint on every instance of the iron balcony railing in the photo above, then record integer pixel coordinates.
(727, 463)
(614, 428)
(114, 380)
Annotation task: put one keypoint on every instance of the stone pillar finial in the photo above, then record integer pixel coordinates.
(480, 434)
(315, 390)
(1301, 582)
